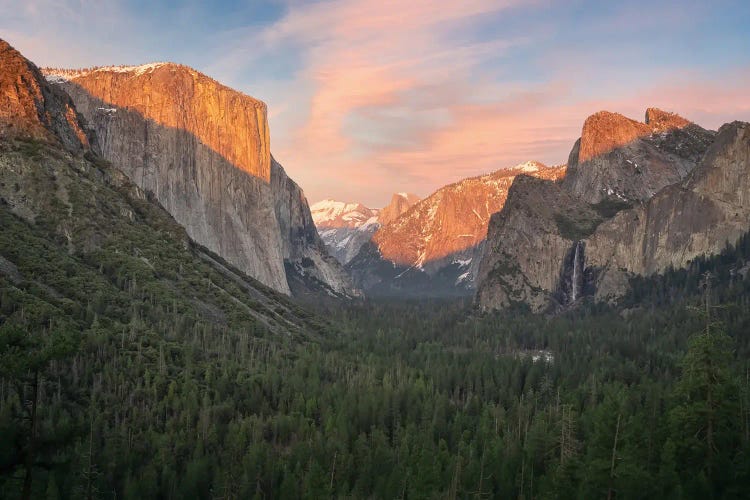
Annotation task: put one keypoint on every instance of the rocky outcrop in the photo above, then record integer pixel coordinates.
(434, 247)
(400, 203)
(555, 242)
(604, 131)
(698, 216)
(619, 158)
(203, 150)
(662, 121)
(32, 108)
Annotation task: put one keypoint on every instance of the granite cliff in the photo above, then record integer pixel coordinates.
(620, 158)
(697, 216)
(399, 204)
(637, 199)
(84, 248)
(203, 150)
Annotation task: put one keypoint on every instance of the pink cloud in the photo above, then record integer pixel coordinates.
(540, 123)
(387, 95)
(381, 63)
(393, 103)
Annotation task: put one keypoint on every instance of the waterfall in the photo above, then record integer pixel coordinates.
(576, 281)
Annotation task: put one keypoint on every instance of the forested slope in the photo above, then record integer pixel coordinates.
(107, 311)
(157, 374)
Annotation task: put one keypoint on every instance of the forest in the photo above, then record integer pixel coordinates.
(118, 388)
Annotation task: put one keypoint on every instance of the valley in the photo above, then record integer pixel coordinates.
(177, 321)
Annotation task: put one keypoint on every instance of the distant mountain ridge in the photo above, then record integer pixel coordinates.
(452, 219)
(346, 227)
(432, 248)
(338, 214)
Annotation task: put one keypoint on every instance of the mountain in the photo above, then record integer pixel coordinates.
(434, 247)
(82, 247)
(400, 203)
(643, 198)
(346, 227)
(620, 158)
(203, 151)
(339, 214)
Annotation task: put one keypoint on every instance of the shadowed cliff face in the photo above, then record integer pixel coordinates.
(308, 264)
(219, 205)
(556, 242)
(698, 216)
(451, 276)
(528, 242)
(249, 213)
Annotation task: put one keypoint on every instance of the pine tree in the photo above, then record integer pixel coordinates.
(704, 424)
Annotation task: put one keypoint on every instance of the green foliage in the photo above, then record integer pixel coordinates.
(579, 223)
(705, 422)
(576, 227)
(164, 374)
(609, 207)
(32, 148)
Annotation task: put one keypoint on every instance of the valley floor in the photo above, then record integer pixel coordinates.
(401, 400)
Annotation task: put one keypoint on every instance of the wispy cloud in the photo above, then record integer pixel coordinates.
(394, 96)
(380, 79)
(367, 97)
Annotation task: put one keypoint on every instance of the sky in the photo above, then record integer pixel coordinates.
(371, 97)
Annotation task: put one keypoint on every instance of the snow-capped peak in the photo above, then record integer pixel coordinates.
(529, 166)
(332, 213)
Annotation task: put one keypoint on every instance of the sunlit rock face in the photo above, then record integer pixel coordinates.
(202, 149)
(452, 219)
(434, 247)
(227, 122)
(617, 157)
(555, 243)
(400, 203)
(31, 108)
